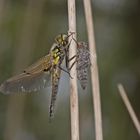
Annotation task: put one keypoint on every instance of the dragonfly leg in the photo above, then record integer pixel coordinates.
(67, 54)
(72, 58)
(65, 71)
(72, 65)
(73, 62)
(75, 41)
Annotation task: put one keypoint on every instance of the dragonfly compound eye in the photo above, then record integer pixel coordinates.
(62, 39)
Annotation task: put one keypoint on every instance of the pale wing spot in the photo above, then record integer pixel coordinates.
(23, 89)
(35, 89)
(44, 81)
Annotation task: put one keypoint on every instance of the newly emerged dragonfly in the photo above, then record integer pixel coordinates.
(37, 75)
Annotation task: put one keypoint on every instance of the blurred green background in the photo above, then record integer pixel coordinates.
(27, 31)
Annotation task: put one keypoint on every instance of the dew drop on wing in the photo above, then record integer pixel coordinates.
(25, 83)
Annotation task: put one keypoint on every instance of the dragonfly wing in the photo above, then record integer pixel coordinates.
(33, 78)
(25, 83)
(43, 64)
(56, 72)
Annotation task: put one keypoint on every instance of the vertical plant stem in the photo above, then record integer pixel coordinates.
(94, 71)
(73, 82)
(129, 107)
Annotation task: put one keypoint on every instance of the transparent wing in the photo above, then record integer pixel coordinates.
(43, 63)
(25, 83)
(34, 78)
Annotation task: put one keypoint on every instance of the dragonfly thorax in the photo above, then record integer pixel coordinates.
(57, 52)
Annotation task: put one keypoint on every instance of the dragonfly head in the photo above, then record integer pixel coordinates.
(62, 39)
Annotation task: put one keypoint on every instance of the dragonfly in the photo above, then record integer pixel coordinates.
(36, 76)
